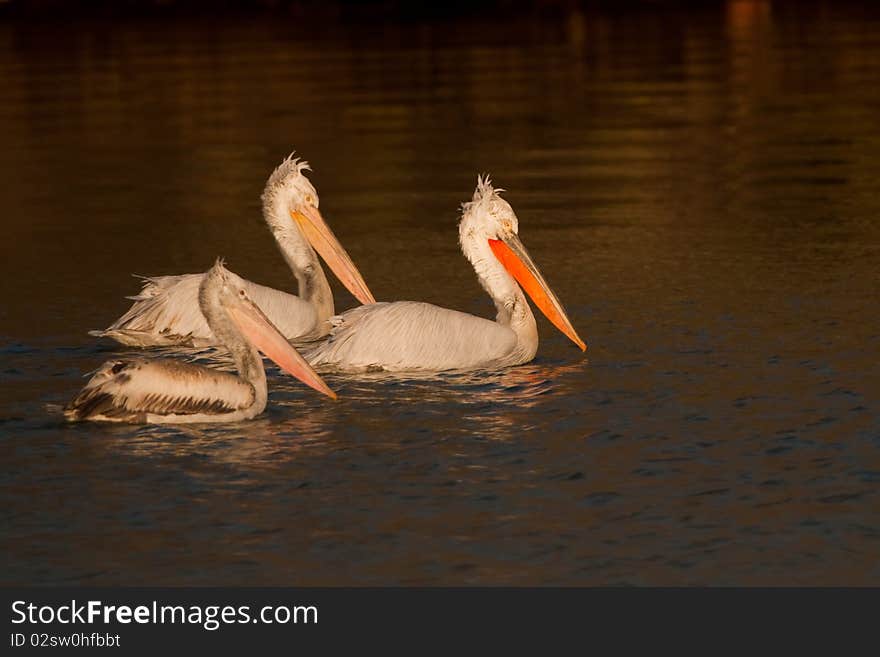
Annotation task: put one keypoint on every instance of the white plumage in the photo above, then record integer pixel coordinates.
(412, 336)
(166, 312)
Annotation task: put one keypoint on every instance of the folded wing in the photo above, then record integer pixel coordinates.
(129, 389)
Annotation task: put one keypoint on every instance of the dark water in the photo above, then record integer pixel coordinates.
(700, 187)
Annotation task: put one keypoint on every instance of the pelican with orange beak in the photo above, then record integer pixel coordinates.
(163, 391)
(167, 313)
(412, 336)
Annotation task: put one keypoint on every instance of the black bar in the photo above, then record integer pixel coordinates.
(416, 619)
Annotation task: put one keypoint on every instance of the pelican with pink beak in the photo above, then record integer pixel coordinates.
(163, 391)
(167, 313)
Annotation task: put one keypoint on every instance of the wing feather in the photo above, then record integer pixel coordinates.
(167, 313)
(410, 335)
(131, 389)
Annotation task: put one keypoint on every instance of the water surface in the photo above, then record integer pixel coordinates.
(700, 187)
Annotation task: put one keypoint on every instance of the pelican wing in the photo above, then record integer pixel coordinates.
(410, 335)
(131, 389)
(167, 313)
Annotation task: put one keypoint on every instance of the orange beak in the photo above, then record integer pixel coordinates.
(257, 328)
(516, 260)
(322, 239)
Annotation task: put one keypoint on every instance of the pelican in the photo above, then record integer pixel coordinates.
(166, 312)
(162, 391)
(409, 335)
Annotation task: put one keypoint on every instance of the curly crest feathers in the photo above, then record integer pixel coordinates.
(483, 193)
(290, 166)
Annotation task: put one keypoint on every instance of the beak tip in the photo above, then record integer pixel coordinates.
(574, 337)
(327, 390)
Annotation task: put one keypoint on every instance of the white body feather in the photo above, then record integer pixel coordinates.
(167, 313)
(412, 336)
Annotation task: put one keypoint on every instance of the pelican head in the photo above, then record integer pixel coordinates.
(290, 205)
(489, 233)
(487, 214)
(288, 184)
(222, 291)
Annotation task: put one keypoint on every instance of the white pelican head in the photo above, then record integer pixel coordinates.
(290, 204)
(289, 183)
(489, 235)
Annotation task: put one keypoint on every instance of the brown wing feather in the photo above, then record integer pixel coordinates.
(129, 389)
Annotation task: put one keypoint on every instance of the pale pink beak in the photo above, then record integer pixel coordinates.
(257, 328)
(322, 239)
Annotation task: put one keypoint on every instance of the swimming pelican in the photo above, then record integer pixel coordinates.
(408, 335)
(166, 312)
(159, 391)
